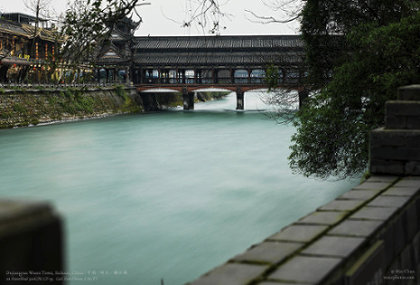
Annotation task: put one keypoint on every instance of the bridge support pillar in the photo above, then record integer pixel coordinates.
(240, 103)
(303, 95)
(188, 99)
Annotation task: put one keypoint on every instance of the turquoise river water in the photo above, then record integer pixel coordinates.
(162, 195)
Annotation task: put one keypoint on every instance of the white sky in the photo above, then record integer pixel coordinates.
(165, 17)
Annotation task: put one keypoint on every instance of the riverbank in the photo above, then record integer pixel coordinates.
(21, 107)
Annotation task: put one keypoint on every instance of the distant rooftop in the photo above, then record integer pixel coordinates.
(21, 18)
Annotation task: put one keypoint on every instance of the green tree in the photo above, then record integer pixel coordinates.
(333, 127)
(326, 23)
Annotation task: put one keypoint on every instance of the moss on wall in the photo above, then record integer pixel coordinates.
(24, 107)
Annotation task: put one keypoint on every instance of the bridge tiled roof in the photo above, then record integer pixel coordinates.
(217, 50)
(217, 42)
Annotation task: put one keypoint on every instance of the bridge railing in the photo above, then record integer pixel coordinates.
(205, 80)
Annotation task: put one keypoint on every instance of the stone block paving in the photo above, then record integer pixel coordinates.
(402, 191)
(356, 228)
(359, 195)
(269, 252)
(232, 274)
(374, 213)
(322, 218)
(305, 269)
(298, 233)
(389, 201)
(334, 246)
(341, 205)
(311, 250)
(382, 178)
(368, 185)
(408, 182)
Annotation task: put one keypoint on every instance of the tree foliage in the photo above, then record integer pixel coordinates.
(88, 23)
(326, 23)
(333, 127)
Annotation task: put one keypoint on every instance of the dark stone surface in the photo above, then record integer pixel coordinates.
(369, 268)
(31, 238)
(374, 213)
(389, 201)
(394, 138)
(405, 153)
(409, 93)
(407, 258)
(394, 237)
(334, 246)
(232, 274)
(298, 233)
(402, 115)
(270, 252)
(322, 218)
(410, 220)
(368, 185)
(401, 191)
(383, 166)
(408, 182)
(307, 269)
(359, 194)
(357, 228)
(382, 178)
(342, 205)
(416, 248)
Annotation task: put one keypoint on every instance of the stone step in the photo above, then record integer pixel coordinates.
(409, 92)
(402, 114)
(395, 152)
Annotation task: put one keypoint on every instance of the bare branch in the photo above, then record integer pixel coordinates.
(287, 10)
(269, 19)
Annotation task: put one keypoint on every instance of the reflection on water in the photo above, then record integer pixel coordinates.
(163, 195)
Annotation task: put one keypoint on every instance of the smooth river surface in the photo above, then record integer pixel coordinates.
(165, 195)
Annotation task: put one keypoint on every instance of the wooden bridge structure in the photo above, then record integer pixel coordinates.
(188, 64)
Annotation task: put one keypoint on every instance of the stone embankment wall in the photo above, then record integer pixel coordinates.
(369, 235)
(24, 107)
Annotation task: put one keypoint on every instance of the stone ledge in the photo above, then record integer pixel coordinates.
(402, 115)
(409, 92)
(327, 218)
(334, 246)
(268, 252)
(298, 233)
(232, 274)
(307, 269)
(347, 241)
